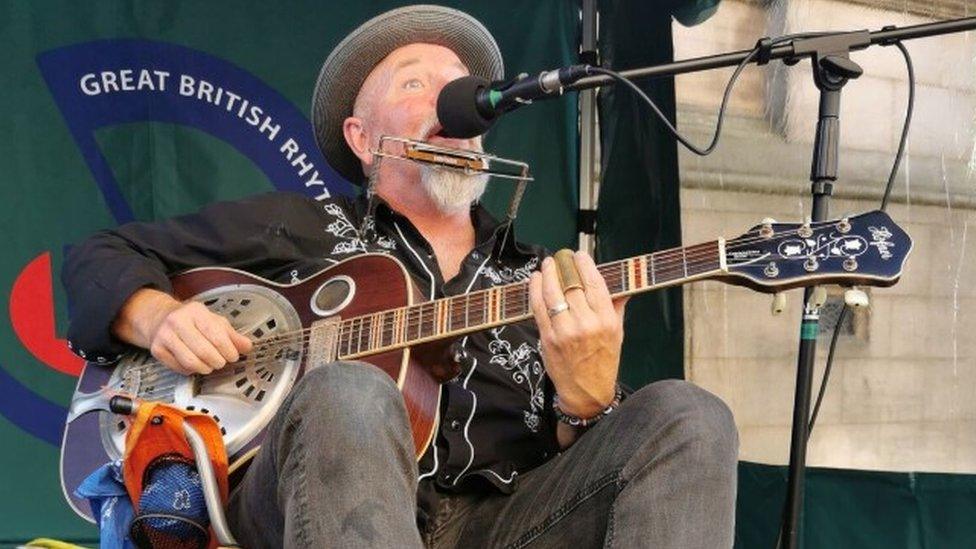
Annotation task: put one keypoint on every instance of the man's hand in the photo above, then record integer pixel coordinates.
(186, 337)
(581, 345)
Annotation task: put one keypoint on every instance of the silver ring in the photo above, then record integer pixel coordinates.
(558, 308)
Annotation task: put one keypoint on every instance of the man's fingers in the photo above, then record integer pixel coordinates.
(240, 341)
(619, 305)
(597, 294)
(552, 294)
(187, 357)
(169, 349)
(201, 346)
(169, 360)
(538, 304)
(217, 333)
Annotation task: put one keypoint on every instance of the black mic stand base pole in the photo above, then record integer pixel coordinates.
(832, 68)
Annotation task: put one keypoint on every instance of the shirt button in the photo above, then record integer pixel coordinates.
(475, 255)
(455, 425)
(444, 477)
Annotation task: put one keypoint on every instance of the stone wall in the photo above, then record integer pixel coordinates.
(902, 395)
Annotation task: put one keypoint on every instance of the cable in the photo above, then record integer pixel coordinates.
(762, 46)
(884, 205)
(905, 125)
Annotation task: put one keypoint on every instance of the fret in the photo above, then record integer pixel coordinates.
(432, 314)
(352, 327)
(441, 308)
(352, 324)
(449, 314)
(631, 282)
(489, 306)
(642, 269)
(467, 304)
(502, 307)
(684, 260)
(484, 307)
(496, 296)
(395, 331)
(451, 311)
(370, 331)
(420, 320)
(653, 278)
(623, 279)
(359, 340)
(357, 334)
(378, 331)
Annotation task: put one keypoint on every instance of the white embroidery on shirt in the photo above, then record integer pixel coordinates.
(524, 363)
(506, 274)
(352, 240)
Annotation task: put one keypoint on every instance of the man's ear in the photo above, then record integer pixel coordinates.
(358, 140)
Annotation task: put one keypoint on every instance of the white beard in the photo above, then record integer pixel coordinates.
(452, 191)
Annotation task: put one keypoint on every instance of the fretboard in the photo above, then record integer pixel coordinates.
(462, 314)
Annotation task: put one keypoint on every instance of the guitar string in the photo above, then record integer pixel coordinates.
(665, 262)
(282, 342)
(519, 305)
(475, 300)
(513, 305)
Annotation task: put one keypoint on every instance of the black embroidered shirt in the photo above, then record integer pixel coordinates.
(496, 418)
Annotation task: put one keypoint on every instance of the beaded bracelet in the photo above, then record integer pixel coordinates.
(584, 422)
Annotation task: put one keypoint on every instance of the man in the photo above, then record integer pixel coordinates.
(510, 465)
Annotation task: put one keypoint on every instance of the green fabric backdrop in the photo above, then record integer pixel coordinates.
(50, 198)
(639, 210)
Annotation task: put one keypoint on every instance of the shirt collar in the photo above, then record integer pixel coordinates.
(490, 234)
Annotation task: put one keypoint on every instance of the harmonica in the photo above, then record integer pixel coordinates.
(462, 160)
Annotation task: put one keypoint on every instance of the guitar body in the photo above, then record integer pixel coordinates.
(243, 399)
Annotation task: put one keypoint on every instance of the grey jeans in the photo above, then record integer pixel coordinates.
(337, 470)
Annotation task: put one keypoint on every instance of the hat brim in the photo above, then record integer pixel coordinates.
(346, 68)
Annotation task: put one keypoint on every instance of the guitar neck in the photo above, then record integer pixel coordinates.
(455, 316)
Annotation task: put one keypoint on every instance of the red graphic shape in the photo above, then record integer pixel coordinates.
(32, 316)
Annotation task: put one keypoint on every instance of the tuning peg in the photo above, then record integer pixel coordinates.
(855, 298)
(805, 231)
(844, 225)
(768, 221)
(779, 303)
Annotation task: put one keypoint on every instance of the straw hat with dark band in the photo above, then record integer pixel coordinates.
(354, 58)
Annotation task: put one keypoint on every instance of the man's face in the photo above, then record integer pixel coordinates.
(399, 98)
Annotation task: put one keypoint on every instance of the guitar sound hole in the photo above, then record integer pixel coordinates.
(333, 295)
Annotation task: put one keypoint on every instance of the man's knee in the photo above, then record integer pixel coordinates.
(695, 417)
(345, 395)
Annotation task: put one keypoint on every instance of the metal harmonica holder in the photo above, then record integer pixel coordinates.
(458, 160)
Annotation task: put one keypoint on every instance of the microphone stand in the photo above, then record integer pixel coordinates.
(832, 69)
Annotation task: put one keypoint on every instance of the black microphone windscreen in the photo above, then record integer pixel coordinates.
(457, 108)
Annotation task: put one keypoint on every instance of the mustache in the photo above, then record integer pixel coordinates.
(428, 126)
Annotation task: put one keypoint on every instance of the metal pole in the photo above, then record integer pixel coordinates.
(589, 165)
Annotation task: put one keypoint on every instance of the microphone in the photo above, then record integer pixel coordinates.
(469, 106)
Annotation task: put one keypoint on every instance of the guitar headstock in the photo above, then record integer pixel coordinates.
(867, 249)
